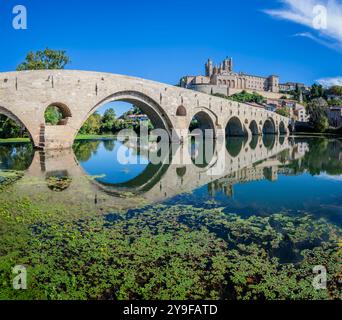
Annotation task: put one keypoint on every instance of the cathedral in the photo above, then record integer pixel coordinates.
(222, 79)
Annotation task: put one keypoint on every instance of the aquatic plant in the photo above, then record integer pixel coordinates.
(175, 252)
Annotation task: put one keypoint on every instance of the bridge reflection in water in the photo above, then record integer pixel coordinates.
(60, 174)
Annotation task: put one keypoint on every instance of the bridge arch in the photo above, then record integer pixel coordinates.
(269, 127)
(282, 128)
(205, 118)
(9, 114)
(234, 128)
(63, 110)
(146, 104)
(253, 126)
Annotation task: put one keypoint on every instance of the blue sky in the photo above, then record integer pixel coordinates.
(164, 40)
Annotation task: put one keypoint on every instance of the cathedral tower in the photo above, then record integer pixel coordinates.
(228, 65)
(209, 68)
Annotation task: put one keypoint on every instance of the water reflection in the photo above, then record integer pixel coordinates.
(254, 142)
(269, 140)
(202, 153)
(234, 145)
(16, 156)
(258, 176)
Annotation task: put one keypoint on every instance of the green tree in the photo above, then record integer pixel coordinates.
(322, 124)
(108, 121)
(317, 91)
(243, 96)
(52, 115)
(335, 103)
(9, 128)
(283, 112)
(134, 111)
(47, 59)
(335, 90)
(92, 125)
(317, 109)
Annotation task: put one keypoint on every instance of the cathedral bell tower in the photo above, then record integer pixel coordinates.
(228, 65)
(209, 68)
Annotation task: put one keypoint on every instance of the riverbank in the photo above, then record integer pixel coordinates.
(311, 132)
(14, 140)
(95, 136)
(79, 137)
(316, 135)
(112, 136)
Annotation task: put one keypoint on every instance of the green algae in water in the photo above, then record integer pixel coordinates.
(9, 177)
(175, 252)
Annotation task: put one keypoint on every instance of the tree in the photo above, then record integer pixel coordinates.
(317, 109)
(243, 96)
(283, 112)
(52, 115)
(108, 121)
(322, 124)
(335, 90)
(9, 128)
(317, 91)
(92, 125)
(335, 103)
(47, 59)
(134, 111)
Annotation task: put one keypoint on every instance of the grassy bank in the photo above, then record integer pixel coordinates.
(14, 140)
(94, 136)
(316, 134)
(311, 132)
(335, 133)
(79, 137)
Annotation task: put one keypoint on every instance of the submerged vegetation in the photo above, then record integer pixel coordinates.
(176, 252)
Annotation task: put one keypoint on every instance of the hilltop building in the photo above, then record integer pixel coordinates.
(222, 79)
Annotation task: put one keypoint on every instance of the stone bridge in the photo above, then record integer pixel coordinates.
(25, 96)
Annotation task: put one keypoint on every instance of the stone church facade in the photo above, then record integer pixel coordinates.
(222, 79)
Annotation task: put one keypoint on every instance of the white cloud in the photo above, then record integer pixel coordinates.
(303, 12)
(328, 82)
